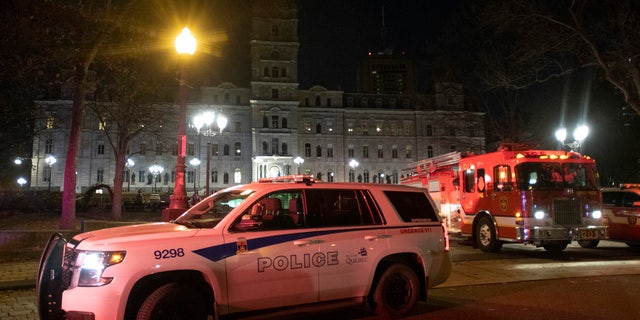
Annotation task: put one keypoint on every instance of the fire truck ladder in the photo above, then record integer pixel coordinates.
(431, 164)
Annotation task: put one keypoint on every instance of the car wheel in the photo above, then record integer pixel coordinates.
(555, 246)
(486, 236)
(589, 244)
(396, 293)
(173, 301)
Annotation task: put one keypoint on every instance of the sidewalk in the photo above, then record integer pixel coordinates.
(18, 274)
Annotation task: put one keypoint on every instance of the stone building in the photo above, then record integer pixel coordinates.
(276, 128)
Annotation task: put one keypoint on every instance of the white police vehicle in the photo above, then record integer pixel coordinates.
(275, 243)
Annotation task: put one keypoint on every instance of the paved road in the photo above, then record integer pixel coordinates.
(600, 283)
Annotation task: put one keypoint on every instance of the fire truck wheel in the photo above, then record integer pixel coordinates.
(555, 246)
(173, 301)
(486, 236)
(589, 244)
(396, 293)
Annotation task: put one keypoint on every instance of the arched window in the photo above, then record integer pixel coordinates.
(307, 150)
(318, 151)
(285, 149)
(318, 128)
(226, 178)
(284, 123)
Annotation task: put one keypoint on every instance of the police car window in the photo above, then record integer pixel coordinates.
(340, 207)
(630, 198)
(278, 210)
(412, 206)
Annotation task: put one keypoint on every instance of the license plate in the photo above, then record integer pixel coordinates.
(588, 234)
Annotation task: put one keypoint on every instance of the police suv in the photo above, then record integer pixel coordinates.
(282, 242)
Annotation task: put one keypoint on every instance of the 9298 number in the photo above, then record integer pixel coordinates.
(168, 253)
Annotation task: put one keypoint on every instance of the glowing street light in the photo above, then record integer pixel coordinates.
(579, 135)
(354, 165)
(203, 122)
(185, 44)
(195, 163)
(130, 163)
(21, 181)
(155, 170)
(298, 161)
(50, 161)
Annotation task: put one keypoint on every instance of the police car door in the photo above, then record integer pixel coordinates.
(273, 265)
(350, 234)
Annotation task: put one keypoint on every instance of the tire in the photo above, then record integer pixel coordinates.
(173, 301)
(555, 246)
(486, 236)
(396, 293)
(589, 244)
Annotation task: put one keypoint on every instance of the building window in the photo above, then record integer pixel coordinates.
(365, 129)
(48, 144)
(283, 72)
(394, 152)
(393, 128)
(238, 127)
(226, 97)
(238, 100)
(46, 174)
(100, 147)
(318, 128)
(365, 175)
(275, 143)
(352, 176)
(452, 131)
(408, 151)
(141, 175)
(330, 176)
(318, 151)
(190, 149)
(237, 150)
(330, 151)
(237, 176)
(350, 152)
(318, 102)
(50, 122)
(274, 93)
(265, 147)
(365, 152)
(307, 150)
(225, 178)
(215, 149)
(143, 149)
(285, 123)
(214, 176)
(190, 176)
(285, 148)
(275, 122)
(380, 152)
(328, 102)
(429, 130)
(307, 126)
(429, 151)
(274, 72)
(225, 150)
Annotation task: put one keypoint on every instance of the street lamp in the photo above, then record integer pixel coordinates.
(353, 164)
(130, 163)
(21, 181)
(185, 44)
(298, 161)
(155, 170)
(50, 160)
(579, 135)
(205, 120)
(195, 162)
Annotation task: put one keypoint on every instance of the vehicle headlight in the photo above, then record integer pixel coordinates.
(539, 214)
(596, 214)
(92, 264)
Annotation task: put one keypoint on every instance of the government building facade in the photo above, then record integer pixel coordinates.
(276, 128)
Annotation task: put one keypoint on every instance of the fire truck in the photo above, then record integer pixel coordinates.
(546, 198)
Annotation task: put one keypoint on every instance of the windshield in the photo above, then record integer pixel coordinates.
(556, 176)
(208, 212)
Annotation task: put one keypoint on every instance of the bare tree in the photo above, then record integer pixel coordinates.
(540, 40)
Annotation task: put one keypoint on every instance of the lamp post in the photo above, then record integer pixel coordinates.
(50, 160)
(353, 164)
(298, 161)
(206, 120)
(21, 181)
(185, 44)
(579, 135)
(155, 170)
(130, 163)
(195, 162)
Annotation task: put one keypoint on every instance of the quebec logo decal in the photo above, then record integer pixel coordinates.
(360, 257)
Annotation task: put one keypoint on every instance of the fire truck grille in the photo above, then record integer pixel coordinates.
(567, 212)
(67, 266)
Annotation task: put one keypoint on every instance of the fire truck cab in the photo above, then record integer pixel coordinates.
(542, 197)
